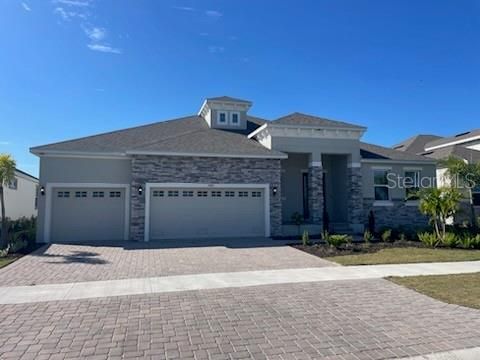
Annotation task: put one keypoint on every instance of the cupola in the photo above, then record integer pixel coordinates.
(225, 112)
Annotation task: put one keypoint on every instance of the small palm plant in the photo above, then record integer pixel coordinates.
(7, 174)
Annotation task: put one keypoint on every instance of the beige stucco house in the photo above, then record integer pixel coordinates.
(223, 173)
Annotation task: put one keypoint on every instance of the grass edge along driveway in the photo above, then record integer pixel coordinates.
(407, 255)
(459, 289)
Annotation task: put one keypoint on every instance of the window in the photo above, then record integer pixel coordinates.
(13, 184)
(256, 194)
(222, 117)
(412, 184)
(158, 193)
(202, 193)
(235, 118)
(63, 194)
(80, 194)
(98, 194)
(216, 193)
(172, 193)
(380, 182)
(187, 193)
(243, 193)
(115, 194)
(229, 193)
(476, 195)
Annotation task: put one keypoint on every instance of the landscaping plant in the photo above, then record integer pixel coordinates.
(387, 235)
(338, 240)
(428, 239)
(367, 236)
(305, 238)
(450, 240)
(7, 174)
(439, 204)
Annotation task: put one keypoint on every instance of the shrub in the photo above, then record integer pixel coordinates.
(305, 238)
(338, 240)
(468, 241)
(402, 237)
(387, 235)
(367, 236)
(450, 240)
(428, 239)
(17, 245)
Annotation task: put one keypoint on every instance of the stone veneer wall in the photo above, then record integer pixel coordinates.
(395, 216)
(315, 194)
(355, 199)
(207, 170)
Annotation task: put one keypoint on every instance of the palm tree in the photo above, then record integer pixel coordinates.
(462, 173)
(7, 174)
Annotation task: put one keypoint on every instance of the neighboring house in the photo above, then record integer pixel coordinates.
(465, 146)
(221, 173)
(21, 196)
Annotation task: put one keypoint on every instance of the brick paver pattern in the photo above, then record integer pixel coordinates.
(361, 319)
(75, 263)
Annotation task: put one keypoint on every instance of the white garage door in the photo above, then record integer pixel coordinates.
(87, 214)
(177, 213)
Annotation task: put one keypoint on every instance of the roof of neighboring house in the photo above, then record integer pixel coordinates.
(228, 98)
(185, 135)
(415, 144)
(26, 174)
(297, 118)
(462, 137)
(375, 152)
(472, 156)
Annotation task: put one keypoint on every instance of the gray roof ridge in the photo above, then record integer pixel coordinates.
(114, 131)
(169, 138)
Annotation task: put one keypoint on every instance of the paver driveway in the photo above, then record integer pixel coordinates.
(60, 263)
(360, 319)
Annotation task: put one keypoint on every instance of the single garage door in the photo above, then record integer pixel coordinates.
(208, 212)
(88, 214)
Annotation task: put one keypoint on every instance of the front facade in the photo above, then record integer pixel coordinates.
(21, 196)
(223, 173)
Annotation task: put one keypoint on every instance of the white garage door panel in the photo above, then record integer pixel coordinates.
(188, 213)
(80, 214)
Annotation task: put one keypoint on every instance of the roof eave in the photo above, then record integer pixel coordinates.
(172, 153)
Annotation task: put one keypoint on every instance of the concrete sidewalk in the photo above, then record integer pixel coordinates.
(152, 285)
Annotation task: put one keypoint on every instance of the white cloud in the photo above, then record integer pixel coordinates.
(216, 49)
(4, 142)
(213, 13)
(95, 33)
(67, 15)
(184, 8)
(26, 7)
(78, 3)
(104, 48)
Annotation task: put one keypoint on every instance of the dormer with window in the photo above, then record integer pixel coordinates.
(225, 113)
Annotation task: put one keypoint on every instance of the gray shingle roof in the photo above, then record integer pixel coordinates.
(375, 152)
(459, 151)
(185, 135)
(415, 144)
(310, 120)
(463, 136)
(228, 98)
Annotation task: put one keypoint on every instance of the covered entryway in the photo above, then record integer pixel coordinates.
(88, 214)
(210, 211)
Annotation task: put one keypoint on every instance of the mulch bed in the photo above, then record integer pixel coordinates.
(324, 250)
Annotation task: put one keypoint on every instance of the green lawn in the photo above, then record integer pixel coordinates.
(407, 255)
(6, 261)
(461, 289)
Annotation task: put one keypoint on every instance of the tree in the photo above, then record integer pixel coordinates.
(439, 204)
(7, 174)
(461, 173)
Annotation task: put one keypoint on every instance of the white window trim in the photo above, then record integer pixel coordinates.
(49, 199)
(150, 186)
(218, 118)
(231, 118)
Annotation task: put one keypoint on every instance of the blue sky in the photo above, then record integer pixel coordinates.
(70, 68)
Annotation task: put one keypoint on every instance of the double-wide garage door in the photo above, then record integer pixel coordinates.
(88, 214)
(177, 213)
